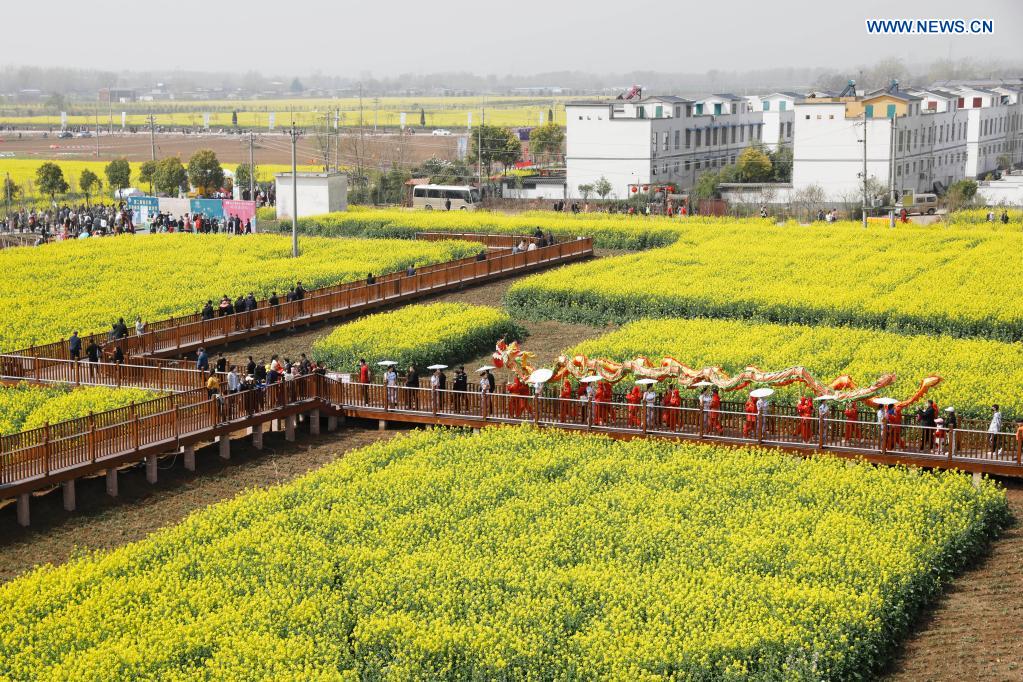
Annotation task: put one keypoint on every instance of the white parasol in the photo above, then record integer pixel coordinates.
(761, 392)
(701, 384)
(645, 382)
(387, 363)
(590, 379)
(825, 397)
(540, 376)
(437, 367)
(885, 400)
(484, 368)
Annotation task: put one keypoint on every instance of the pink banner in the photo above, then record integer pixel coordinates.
(245, 210)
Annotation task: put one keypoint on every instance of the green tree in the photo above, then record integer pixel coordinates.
(50, 180)
(147, 173)
(442, 172)
(707, 186)
(781, 164)
(118, 174)
(242, 173)
(602, 187)
(498, 145)
(959, 195)
(422, 118)
(753, 165)
(550, 115)
(296, 86)
(56, 102)
(586, 190)
(10, 192)
(547, 142)
(89, 183)
(204, 172)
(170, 176)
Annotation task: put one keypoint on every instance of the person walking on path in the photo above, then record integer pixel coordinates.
(993, 429)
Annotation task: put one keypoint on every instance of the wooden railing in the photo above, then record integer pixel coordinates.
(12, 239)
(184, 334)
(492, 241)
(38, 458)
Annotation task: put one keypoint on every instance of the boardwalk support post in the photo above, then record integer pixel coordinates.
(189, 453)
(225, 446)
(331, 423)
(289, 428)
(111, 475)
(23, 512)
(257, 436)
(68, 488)
(314, 422)
(151, 462)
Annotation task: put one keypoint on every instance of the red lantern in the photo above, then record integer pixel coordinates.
(646, 187)
(635, 189)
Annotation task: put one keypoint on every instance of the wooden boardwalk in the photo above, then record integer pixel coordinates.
(59, 454)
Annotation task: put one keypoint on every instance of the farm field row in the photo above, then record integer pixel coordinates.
(960, 281)
(976, 372)
(610, 231)
(522, 554)
(422, 335)
(25, 407)
(86, 285)
(23, 172)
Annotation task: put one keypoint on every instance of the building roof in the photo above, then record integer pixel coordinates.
(591, 102)
(728, 96)
(897, 94)
(672, 99)
(973, 88)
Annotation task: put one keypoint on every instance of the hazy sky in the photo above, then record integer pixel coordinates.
(403, 36)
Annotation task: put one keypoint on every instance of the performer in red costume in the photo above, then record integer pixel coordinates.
(715, 412)
(633, 398)
(805, 411)
(673, 401)
(852, 427)
(567, 413)
(750, 426)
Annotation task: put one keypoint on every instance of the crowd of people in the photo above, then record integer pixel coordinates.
(70, 221)
(200, 224)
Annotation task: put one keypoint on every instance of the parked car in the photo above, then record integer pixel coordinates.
(65, 134)
(918, 203)
(85, 133)
(441, 131)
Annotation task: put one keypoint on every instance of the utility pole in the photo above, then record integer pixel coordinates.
(252, 171)
(97, 129)
(294, 192)
(479, 146)
(864, 167)
(7, 194)
(152, 133)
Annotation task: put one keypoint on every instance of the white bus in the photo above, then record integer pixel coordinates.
(436, 197)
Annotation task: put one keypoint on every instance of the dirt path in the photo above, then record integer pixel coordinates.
(975, 630)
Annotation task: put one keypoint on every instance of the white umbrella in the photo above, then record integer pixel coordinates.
(761, 392)
(645, 382)
(540, 376)
(387, 363)
(825, 397)
(950, 409)
(886, 401)
(437, 367)
(484, 368)
(703, 383)
(590, 379)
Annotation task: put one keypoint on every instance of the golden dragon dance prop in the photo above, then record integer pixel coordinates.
(843, 388)
(512, 356)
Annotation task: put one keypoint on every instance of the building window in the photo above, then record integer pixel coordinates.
(699, 136)
(689, 136)
(676, 168)
(868, 111)
(678, 112)
(664, 141)
(689, 110)
(760, 131)
(733, 159)
(678, 139)
(742, 133)
(714, 137)
(788, 129)
(687, 164)
(697, 164)
(898, 171)
(976, 102)
(699, 109)
(782, 105)
(653, 141)
(717, 108)
(890, 113)
(733, 134)
(658, 111)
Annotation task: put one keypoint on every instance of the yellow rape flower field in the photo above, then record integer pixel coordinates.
(960, 282)
(977, 372)
(418, 334)
(52, 290)
(25, 407)
(517, 554)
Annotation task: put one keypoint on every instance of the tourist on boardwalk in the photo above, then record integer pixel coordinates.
(93, 352)
(485, 391)
(234, 383)
(852, 426)
(435, 389)
(212, 385)
(460, 386)
(650, 399)
(750, 424)
(74, 346)
(763, 407)
(391, 381)
(823, 412)
(939, 436)
(993, 429)
(804, 408)
(221, 363)
(566, 413)
(927, 417)
(704, 402)
(140, 326)
(259, 373)
(411, 384)
(207, 310)
(364, 380)
(202, 361)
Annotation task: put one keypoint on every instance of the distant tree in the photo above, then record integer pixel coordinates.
(296, 86)
(204, 172)
(242, 173)
(50, 180)
(550, 115)
(781, 164)
(89, 183)
(707, 186)
(118, 174)
(586, 189)
(602, 187)
(56, 102)
(170, 176)
(960, 195)
(10, 191)
(499, 145)
(442, 172)
(234, 118)
(753, 165)
(547, 141)
(422, 118)
(147, 173)
(1003, 161)
(806, 201)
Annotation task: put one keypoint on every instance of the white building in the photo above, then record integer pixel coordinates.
(993, 128)
(909, 147)
(636, 144)
(778, 111)
(318, 193)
